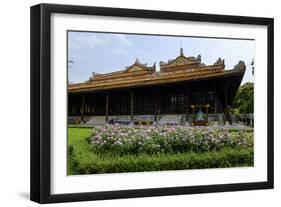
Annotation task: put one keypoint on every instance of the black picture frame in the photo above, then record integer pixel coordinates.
(41, 96)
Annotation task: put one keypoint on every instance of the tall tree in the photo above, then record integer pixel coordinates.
(244, 99)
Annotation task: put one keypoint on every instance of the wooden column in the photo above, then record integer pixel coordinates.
(82, 109)
(226, 105)
(193, 113)
(132, 107)
(155, 100)
(159, 102)
(215, 96)
(187, 93)
(225, 97)
(106, 107)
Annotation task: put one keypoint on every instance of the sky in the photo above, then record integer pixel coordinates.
(108, 52)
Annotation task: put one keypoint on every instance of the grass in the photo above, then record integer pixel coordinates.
(82, 159)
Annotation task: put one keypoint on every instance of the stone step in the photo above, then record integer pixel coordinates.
(96, 120)
(171, 120)
(144, 117)
(119, 119)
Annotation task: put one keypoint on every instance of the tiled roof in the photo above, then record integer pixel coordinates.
(177, 70)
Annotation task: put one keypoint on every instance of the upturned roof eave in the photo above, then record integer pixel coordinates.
(161, 81)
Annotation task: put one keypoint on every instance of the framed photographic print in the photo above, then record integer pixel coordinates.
(133, 103)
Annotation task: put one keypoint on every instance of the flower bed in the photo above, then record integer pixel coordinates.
(126, 140)
(85, 157)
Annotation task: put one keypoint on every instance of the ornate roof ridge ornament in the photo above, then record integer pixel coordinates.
(240, 65)
(162, 63)
(94, 74)
(180, 61)
(181, 52)
(219, 61)
(138, 61)
(143, 65)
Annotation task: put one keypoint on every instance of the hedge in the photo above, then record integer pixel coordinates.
(219, 159)
(82, 159)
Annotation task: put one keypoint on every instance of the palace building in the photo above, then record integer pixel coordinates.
(185, 90)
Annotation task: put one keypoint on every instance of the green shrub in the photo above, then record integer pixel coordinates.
(124, 140)
(82, 159)
(139, 163)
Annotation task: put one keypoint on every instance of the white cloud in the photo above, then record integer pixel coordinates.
(120, 51)
(79, 40)
(144, 53)
(84, 40)
(124, 40)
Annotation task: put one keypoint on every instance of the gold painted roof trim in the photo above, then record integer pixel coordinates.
(156, 78)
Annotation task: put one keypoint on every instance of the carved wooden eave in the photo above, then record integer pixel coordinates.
(137, 76)
(139, 66)
(136, 69)
(180, 61)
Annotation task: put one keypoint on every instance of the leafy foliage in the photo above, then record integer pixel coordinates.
(143, 162)
(244, 99)
(83, 160)
(123, 140)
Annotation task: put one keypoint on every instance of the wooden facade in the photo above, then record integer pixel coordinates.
(141, 90)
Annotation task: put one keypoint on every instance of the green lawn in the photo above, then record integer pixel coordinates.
(82, 159)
